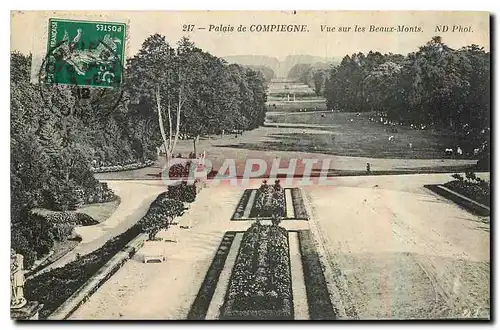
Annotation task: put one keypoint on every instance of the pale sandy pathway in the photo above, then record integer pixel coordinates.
(402, 251)
(136, 197)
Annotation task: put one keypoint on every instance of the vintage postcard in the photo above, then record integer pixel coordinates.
(250, 165)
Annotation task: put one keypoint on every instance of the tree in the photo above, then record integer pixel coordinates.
(266, 71)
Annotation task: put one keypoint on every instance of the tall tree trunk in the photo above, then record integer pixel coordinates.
(179, 108)
(160, 119)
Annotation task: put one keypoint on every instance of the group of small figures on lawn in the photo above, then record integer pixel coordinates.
(271, 201)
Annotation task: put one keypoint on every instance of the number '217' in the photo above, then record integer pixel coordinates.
(188, 28)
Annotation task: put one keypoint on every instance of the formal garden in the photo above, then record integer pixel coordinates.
(263, 275)
(261, 281)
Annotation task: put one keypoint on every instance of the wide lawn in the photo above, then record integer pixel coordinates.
(313, 104)
(348, 134)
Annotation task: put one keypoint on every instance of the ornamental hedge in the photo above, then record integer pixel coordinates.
(183, 192)
(160, 214)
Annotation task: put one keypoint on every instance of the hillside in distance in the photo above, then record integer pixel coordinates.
(280, 68)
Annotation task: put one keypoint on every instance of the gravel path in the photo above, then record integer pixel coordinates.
(400, 251)
(136, 196)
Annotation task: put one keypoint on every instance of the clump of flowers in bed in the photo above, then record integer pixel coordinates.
(271, 201)
(261, 280)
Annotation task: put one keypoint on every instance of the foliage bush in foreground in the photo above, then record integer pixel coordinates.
(37, 234)
(54, 287)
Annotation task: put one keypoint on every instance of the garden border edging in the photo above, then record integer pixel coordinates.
(459, 199)
(80, 296)
(121, 168)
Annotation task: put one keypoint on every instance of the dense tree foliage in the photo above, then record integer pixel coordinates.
(214, 96)
(57, 137)
(313, 75)
(435, 87)
(266, 71)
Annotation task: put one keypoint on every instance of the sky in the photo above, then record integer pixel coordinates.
(29, 30)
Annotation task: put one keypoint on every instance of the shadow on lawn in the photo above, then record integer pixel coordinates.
(287, 142)
(328, 144)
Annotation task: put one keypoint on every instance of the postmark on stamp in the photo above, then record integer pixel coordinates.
(85, 53)
(86, 59)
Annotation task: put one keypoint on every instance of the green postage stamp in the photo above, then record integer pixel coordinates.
(85, 53)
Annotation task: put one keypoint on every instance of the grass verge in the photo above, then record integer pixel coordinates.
(240, 208)
(318, 299)
(100, 211)
(298, 205)
(201, 303)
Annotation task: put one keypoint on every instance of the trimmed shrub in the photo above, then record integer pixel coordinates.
(182, 192)
(63, 231)
(66, 217)
(179, 170)
(161, 212)
(84, 219)
(101, 194)
(122, 167)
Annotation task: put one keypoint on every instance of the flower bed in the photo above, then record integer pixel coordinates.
(479, 192)
(269, 201)
(260, 282)
(122, 167)
(298, 204)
